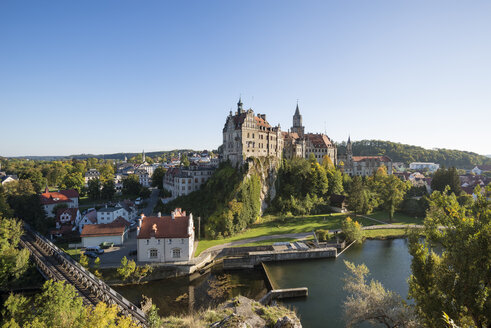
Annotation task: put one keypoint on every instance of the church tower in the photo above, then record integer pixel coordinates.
(297, 123)
(143, 156)
(349, 151)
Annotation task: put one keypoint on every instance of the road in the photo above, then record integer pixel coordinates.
(151, 202)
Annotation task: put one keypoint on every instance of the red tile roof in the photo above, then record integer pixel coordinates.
(63, 196)
(364, 158)
(319, 140)
(261, 122)
(95, 230)
(71, 211)
(166, 227)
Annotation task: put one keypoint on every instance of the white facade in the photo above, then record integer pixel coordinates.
(182, 181)
(424, 166)
(109, 214)
(97, 240)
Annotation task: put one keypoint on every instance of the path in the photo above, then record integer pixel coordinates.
(151, 202)
(218, 248)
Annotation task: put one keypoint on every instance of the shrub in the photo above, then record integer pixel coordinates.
(352, 230)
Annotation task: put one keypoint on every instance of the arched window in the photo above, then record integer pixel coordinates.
(154, 253)
(176, 253)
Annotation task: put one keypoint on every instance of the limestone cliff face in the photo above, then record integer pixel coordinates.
(266, 168)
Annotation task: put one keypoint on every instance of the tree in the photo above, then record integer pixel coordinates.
(107, 172)
(185, 160)
(13, 261)
(327, 163)
(73, 180)
(392, 194)
(59, 306)
(357, 197)
(131, 185)
(371, 302)
(443, 178)
(352, 230)
(129, 269)
(5, 210)
(335, 178)
(158, 177)
(36, 178)
(456, 282)
(108, 190)
(94, 189)
(83, 260)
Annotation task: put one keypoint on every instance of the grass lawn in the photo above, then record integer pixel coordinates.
(75, 253)
(272, 225)
(399, 218)
(271, 241)
(384, 233)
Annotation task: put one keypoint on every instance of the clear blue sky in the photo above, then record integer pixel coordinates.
(122, 76)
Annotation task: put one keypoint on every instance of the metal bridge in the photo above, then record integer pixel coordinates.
(55, 264)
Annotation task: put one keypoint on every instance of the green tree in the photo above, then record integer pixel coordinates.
(352, 230)
(158, 177)
(392, 194)
(357, 198)
(5, 210)
(335, 178)
(73, 180)
(129, 270)
(185, 160)
(443, 178)
(457, 281)
(107, 172)
(94, 189)
(13, 261)
(108, 190)
(83, 260)
(131, 185)
(36, 178)
(369, 301)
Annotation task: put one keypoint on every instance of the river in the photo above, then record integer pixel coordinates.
(388, 261)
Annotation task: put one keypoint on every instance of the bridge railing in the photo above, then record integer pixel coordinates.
(114, 294)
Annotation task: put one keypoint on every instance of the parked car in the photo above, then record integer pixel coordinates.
(92, 255)
(94, 249)
(106, 245)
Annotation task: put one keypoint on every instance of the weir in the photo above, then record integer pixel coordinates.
(280, 293)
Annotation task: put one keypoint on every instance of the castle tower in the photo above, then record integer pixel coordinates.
(297, 123)
(239, 106)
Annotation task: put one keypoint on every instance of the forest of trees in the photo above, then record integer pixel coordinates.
(406, 153)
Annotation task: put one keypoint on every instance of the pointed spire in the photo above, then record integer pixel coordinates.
(297, 111)
(349, 138)
(239, 105)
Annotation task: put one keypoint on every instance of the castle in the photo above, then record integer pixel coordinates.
(248, 135)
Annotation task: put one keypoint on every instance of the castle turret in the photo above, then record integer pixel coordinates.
(239, 106)
(297, 123)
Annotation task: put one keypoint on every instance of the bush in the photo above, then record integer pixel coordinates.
(323, 235)
(352, 230)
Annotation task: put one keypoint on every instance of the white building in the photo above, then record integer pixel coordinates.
(143, 176)
(109, 214)
(91, 174)
(96, 234)
(8, 178)
(49, 200)
(432, 167)
(165, 238)
(182, 181)
(479, 169)
(90, 217)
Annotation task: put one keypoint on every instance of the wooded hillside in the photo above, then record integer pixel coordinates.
(407, 153)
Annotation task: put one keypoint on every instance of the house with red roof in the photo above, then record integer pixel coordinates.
(115, 232)
(165, 238)
(49, 200)
(66, 219)
(362, 165)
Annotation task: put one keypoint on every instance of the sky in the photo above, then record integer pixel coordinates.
(99, 77)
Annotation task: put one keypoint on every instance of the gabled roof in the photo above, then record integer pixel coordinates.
(71, 211)
(367, 158)
(91, 216)
(95, 230)
(63, 196)
(261, 122)
(166, 227)
(319, 140)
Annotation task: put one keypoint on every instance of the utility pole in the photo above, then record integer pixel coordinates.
(199, 227)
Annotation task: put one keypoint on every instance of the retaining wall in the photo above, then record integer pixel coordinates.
(252, 259)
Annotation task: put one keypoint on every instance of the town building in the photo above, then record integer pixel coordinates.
(108, 214)
(8, 178)
(181, 181)
(65, 222)
(143, 177)
(95, 234)
(90, 217)
(49, 200)
(248, 135)
(165, 238)
(362, 165)
(480, 169)
(91, 174)
(424, 166)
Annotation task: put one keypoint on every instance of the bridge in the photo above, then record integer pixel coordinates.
(55, 264)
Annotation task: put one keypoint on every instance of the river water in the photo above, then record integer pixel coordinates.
(388, 261)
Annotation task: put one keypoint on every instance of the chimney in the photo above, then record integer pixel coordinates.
(159, 214)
